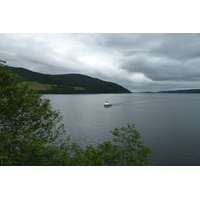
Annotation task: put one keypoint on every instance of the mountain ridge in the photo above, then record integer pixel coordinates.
(69, 83)
(181, 91)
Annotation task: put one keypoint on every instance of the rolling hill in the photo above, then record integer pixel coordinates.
(67, 83)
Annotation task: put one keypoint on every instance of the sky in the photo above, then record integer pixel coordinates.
(139, 62)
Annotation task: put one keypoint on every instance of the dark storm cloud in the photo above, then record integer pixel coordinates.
(140, 62)
(173, 57)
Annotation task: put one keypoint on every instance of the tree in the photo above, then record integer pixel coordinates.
(132, 149)
(28, 125)
(126, 150)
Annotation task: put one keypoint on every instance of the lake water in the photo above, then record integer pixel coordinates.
(170, 125)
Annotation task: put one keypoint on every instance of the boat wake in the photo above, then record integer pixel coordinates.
(128, 103)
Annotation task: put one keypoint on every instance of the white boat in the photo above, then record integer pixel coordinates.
(106, 104)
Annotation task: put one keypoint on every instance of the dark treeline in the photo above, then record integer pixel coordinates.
(182, 91)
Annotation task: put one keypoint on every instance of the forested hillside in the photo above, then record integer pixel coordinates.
(68, 83)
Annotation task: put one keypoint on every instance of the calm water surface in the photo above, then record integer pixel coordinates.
(170, 126)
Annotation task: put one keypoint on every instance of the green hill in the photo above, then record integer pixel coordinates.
(67, 83)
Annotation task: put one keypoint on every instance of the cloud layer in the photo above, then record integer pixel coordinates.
(139, 62)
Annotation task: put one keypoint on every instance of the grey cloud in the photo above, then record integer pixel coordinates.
(179, 46)
(162, 70)
(174, 57)
(126, 41)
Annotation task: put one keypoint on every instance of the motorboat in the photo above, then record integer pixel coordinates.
(106, 104)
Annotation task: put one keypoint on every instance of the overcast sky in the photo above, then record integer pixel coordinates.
(138, 62)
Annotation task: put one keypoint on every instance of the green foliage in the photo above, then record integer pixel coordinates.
(31, 132)
(26, 120)
(126, 150)
(132, 149)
